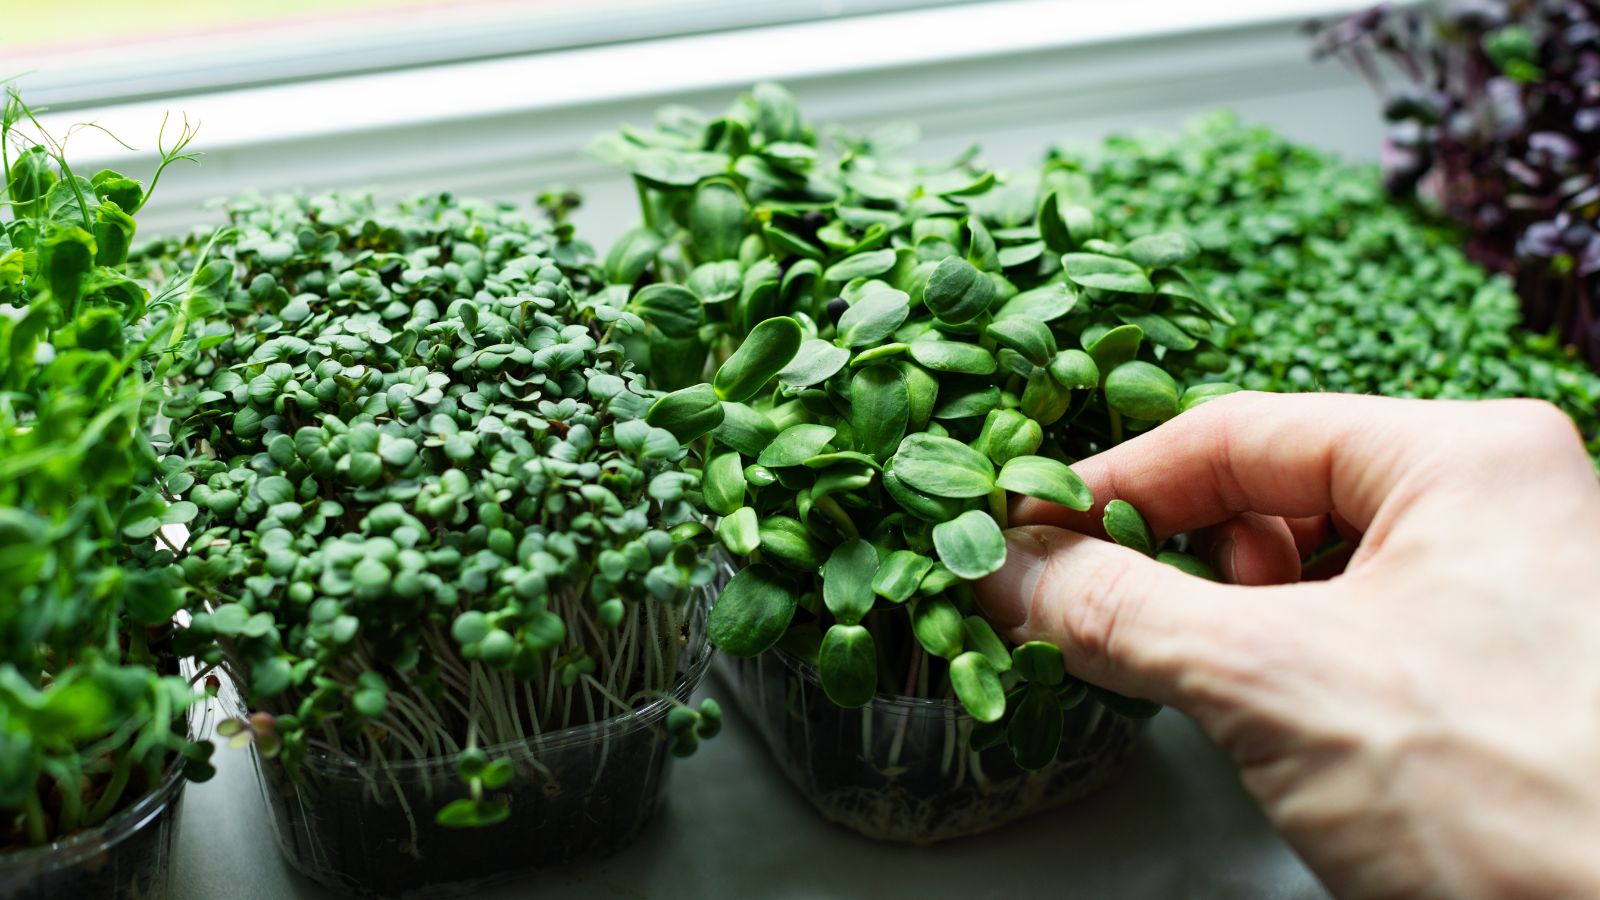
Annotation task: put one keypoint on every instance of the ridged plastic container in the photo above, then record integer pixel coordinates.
(901, 769)
(577, 794)
(129, 857)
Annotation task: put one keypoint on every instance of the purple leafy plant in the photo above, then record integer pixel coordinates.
(1494, 116)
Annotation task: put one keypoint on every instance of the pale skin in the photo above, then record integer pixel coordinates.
(1425, 723)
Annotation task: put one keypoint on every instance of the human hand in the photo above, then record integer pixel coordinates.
(1427, 722)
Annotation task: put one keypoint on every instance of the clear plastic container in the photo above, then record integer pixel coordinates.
(901, 769)
(129, 857)
(578, 793)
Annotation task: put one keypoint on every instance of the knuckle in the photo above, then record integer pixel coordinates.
(1229, 408)
(1539, 418)
(1102, 602)
(1521, 427)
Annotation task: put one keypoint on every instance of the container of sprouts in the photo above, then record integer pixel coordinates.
(904, 768)
(898, 350)
(371, 826)
(452, 571)
(97, 735)
(129, 855)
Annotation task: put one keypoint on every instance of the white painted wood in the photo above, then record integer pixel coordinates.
(1012, 75)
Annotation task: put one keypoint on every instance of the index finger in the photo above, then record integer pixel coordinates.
(1286, 455)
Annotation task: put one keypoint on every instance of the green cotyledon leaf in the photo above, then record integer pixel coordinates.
(753, 611)
(977, 686)
(717, 219)
(847, 665)
(1141, 390)
(1125, 526)
(687, 413)
(937, 625)
(957, 291)
(1034, 730)
(942, 467)
(767, 349)
(847, 580)
(1046, 479)
(970, 545)
(880, 404)
(873, 317)
(816, 361)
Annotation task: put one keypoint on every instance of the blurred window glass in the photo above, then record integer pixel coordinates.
(73, 53)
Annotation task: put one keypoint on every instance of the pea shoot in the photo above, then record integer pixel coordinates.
(93, 708)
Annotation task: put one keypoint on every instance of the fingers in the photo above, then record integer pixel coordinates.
(1311, 533)
(1280, 455)
(1124, 621)
(1257, 465)
(1252, 549)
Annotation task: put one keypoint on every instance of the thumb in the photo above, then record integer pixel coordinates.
(1123, 621)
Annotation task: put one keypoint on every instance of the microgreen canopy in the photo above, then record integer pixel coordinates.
(892, 347)
(430, 514)
(91, 703)
(1334, 286)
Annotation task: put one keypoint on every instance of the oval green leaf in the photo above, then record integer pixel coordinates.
(796, 444)
(1046, 479)
(847, 664)
(717, 217)
(880, 408)
(1106, 273)
(815, 362)
(723, 483)
(752, 612)
(899, 575)
(1141, 390)
(971, 545)
(977, 686)
(673, 309)
(1040, 663)
(740, 532)
(1127, 527)
(687, 413)
(942, 467)
(861, 265)
(1167, 248)
(873, 317)
(937, 625)
(847, 580)
(957, 291)
(766, 350)
(957, 357)
(1034, 732)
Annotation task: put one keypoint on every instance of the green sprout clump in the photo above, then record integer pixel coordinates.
(1335, 286)
(432, 517)
(893, 349)
(92, 705)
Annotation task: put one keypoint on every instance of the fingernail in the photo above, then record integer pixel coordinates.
(1227, 560)
(1006, 595)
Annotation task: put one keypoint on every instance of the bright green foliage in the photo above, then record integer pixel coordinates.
(895, 346)
(431, 513)
(1335, 287)
(92, 708)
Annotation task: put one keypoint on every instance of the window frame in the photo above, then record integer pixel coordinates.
(126, 77)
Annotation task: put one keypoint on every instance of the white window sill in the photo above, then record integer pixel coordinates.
(999, 73)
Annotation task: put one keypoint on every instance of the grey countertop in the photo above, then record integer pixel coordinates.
(1178, 824)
